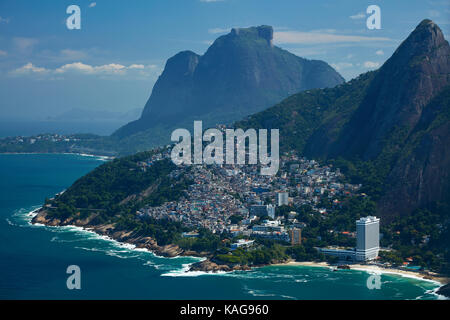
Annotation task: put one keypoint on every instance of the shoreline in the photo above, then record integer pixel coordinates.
(159, 252)
(65, 153)
(184, 271)
(440, 280)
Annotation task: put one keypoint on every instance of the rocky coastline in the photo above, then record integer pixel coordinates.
(444, 290)
(209, 264)
(141, 242)
(110, 231)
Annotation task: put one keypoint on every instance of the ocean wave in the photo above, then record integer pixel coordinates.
(178, 266)
(434, 291)
(94, 242)
(10, 222)
(301, 280)
(57, 239)
(91, 156)
(264, 293)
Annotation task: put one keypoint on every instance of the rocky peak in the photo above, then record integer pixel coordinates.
(427, 38)
(417, 71)
(261, 32)
(183, 63)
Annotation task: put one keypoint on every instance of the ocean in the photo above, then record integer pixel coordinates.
(34, 259)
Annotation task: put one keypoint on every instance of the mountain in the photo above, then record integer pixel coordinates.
(416, 72)
(241, 73)
(389, 128)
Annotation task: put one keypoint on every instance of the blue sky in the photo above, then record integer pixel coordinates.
(114, 60)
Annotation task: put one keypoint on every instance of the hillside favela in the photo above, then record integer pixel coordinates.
(224, 150)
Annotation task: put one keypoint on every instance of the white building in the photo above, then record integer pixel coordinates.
(367, 242)
(367, 238)
(271, 211)
(242, 244)
(283, 198)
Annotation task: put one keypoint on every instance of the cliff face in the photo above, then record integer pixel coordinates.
(417, 71)
(421, 175)
(404, 119)
(396, 119)
(241, 73)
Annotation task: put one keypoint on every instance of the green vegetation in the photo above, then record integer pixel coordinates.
(116, 190)
(206, 242)
(257, 256)
(423, 237)
(302, 115)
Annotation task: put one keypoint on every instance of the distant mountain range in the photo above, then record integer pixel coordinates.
(81, 114)
(390, 128)
(241, 73)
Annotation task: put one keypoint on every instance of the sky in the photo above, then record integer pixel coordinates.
(113, 61)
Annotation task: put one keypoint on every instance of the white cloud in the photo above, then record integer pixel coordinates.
(219, 30)
(75, 67)
(306, 52)
(379, 53)
(112, 69)
(4, 20)
(92, 4)
(371, 64)
(324, 31)
(358, 16)
(342, 65)
(136, 66)
(29, 68)
(69, 54)
(79, 67)
(3, 53)
(299, 37)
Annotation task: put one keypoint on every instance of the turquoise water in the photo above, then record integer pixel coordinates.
(33, 259)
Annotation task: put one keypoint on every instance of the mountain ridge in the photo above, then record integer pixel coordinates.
(372, 123)
(241, 73)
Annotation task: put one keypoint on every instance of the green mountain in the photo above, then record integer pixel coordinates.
(389, 128)
(241, 73)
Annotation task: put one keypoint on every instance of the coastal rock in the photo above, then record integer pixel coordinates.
(109, 230)
(444, 290)
(41, 218)
(210, 266)
(196, 253)
(170, 250)
(104, 228)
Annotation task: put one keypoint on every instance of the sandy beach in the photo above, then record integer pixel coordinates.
(375, 269)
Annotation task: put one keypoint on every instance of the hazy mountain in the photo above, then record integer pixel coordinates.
(391, 125)
(241, 73)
